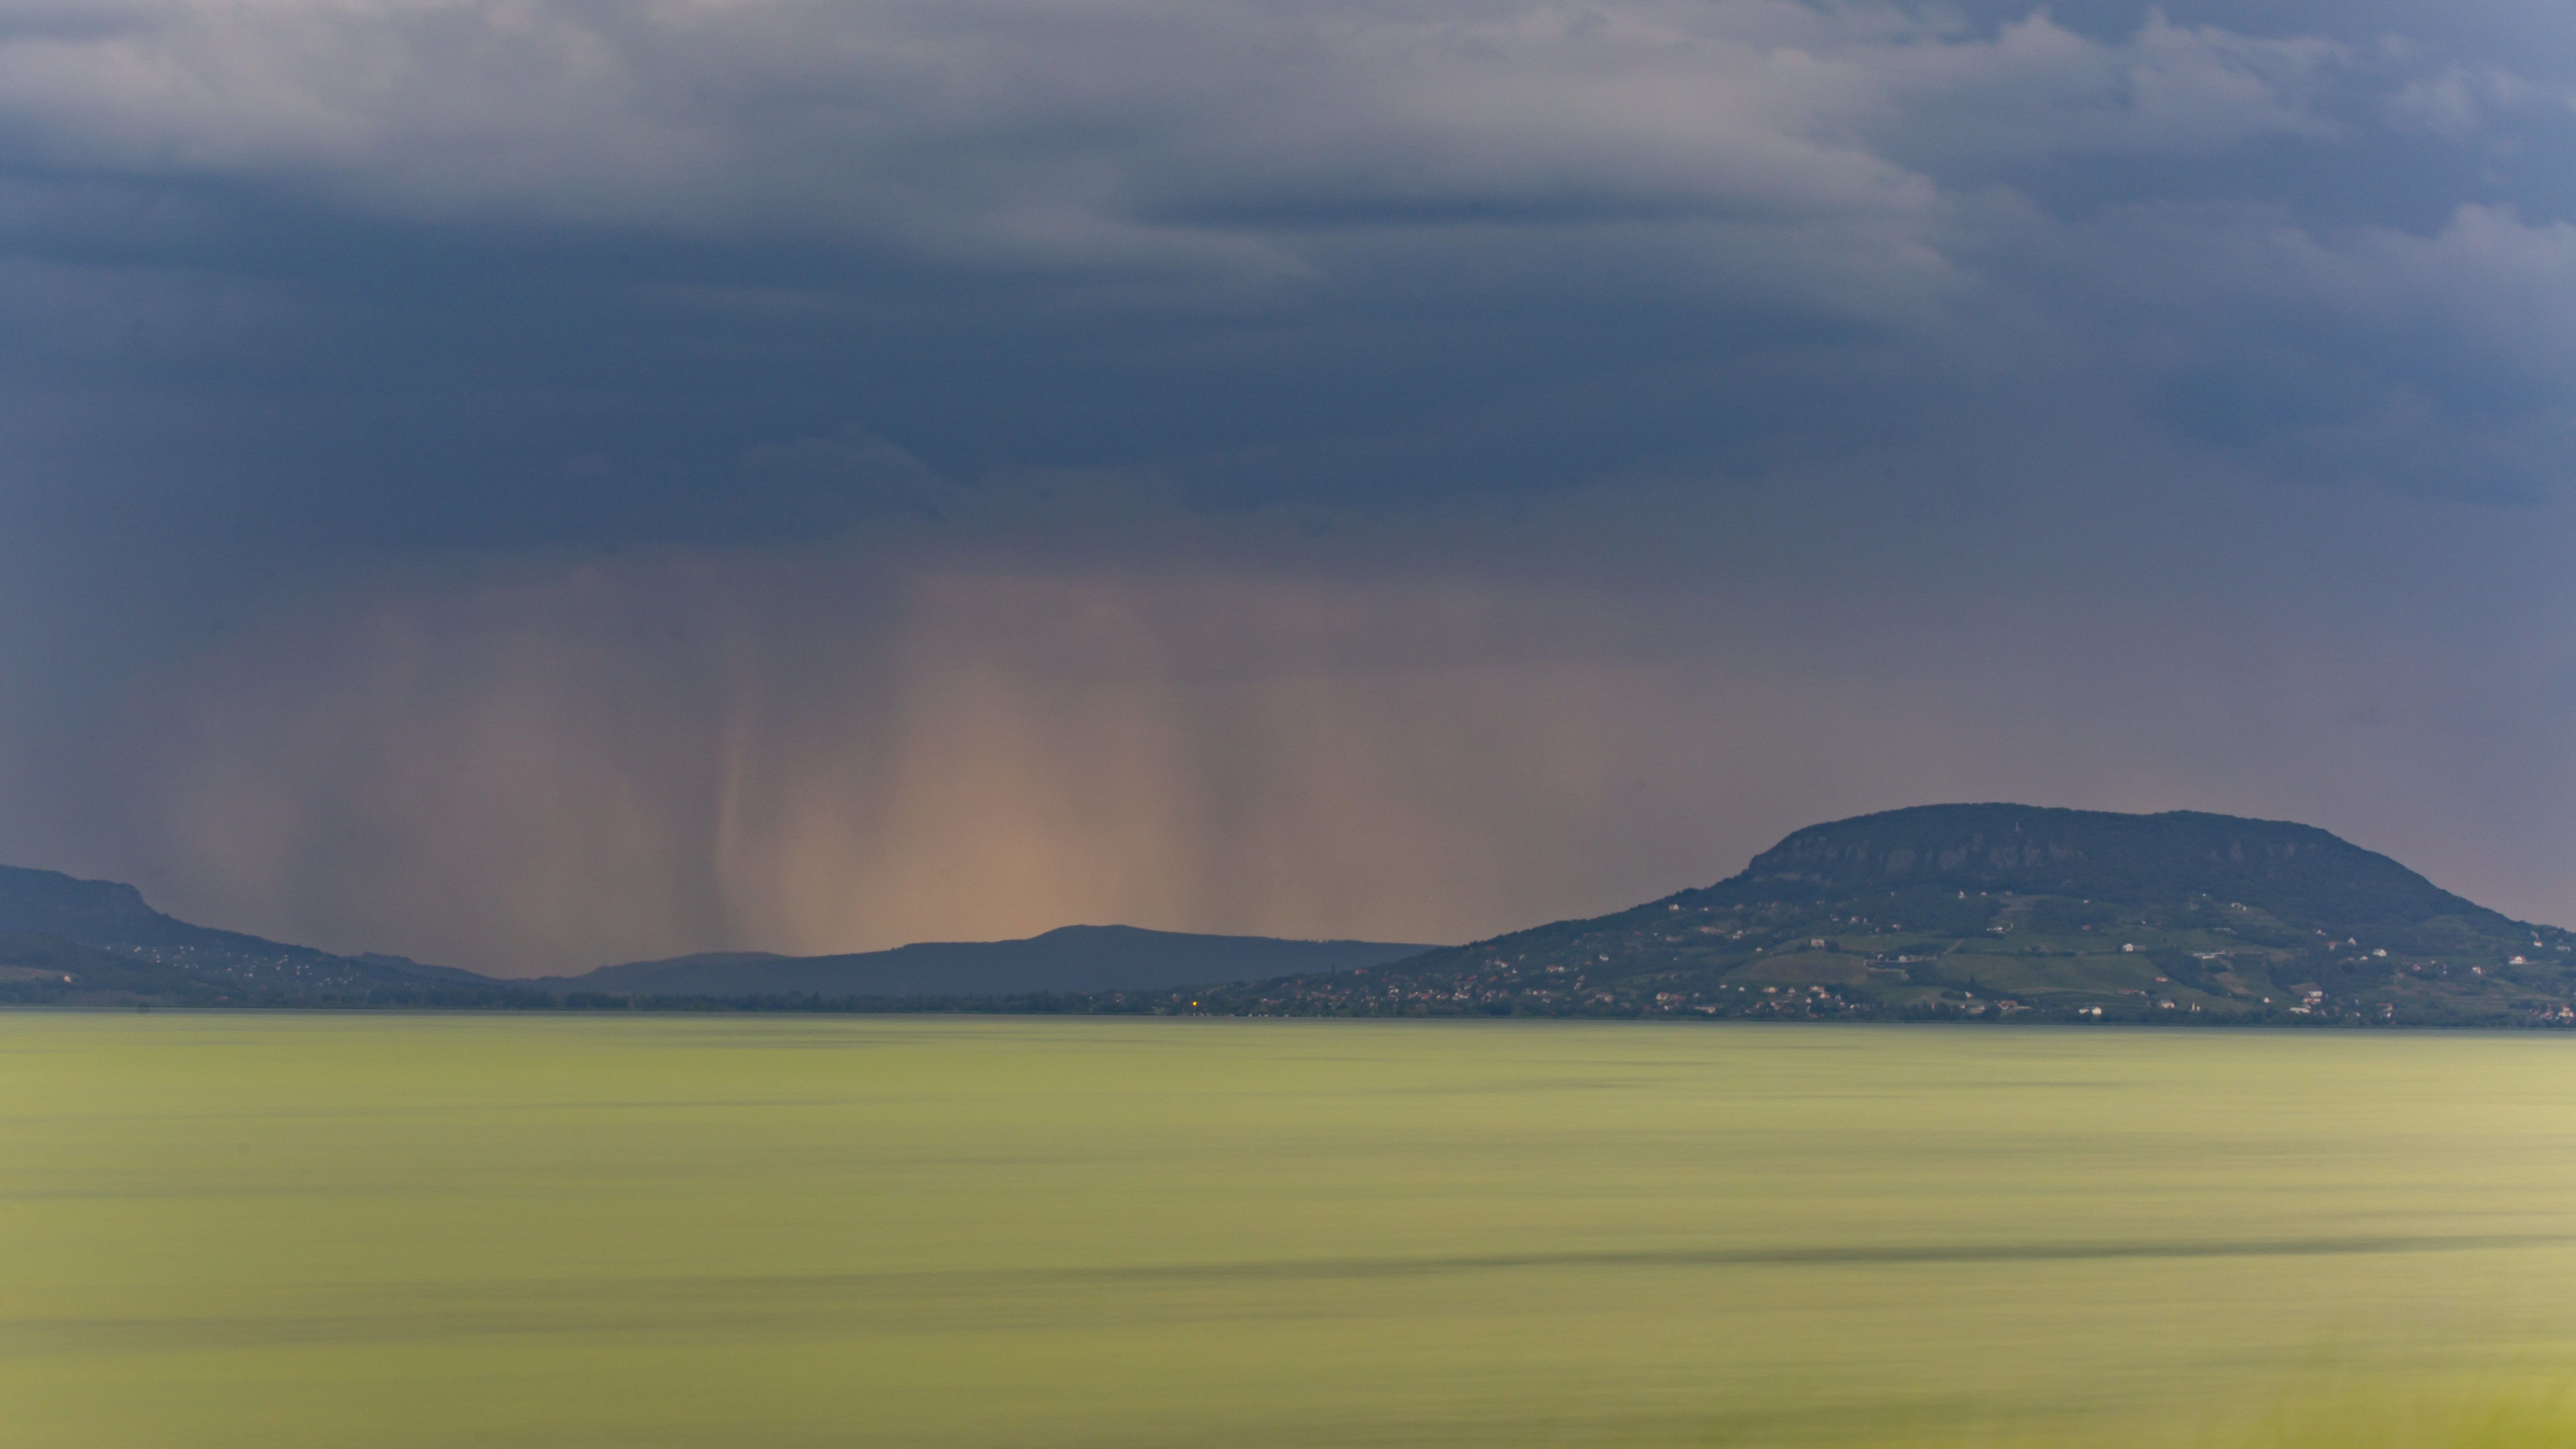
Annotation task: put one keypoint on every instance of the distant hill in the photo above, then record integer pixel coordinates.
(2296, 872)
(1068, 959)
(67, 940)
(1993, 911)
(1943, 912)
(122, 949)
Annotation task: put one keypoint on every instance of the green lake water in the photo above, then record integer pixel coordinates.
(366, 1232)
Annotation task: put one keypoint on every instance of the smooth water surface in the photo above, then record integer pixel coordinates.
(313, 1230)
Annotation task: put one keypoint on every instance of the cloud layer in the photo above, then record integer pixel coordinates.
(538, 481)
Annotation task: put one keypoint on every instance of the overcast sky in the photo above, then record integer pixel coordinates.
(528, 483)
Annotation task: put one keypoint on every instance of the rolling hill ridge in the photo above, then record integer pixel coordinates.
(1066, 959)
(67, 939)
(72, 941)
(1947, 912)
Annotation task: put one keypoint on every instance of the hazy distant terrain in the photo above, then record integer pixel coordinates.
(68, 940)
(1070, 958)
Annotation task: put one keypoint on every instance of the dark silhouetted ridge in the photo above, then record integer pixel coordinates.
(2293, 871)
(2007, 912)
(132, 950)
(1069, 958)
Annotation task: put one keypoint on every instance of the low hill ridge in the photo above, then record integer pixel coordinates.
(125, 948)
(65, 939)
(1944, 912)
(1066, 959)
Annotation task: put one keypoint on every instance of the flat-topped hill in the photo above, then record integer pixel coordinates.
(2293, 871)
(2008, 911)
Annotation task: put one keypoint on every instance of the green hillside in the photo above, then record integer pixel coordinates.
(2005, 912)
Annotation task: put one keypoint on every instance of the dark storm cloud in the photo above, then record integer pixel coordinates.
(652, 436)
(551, 271)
